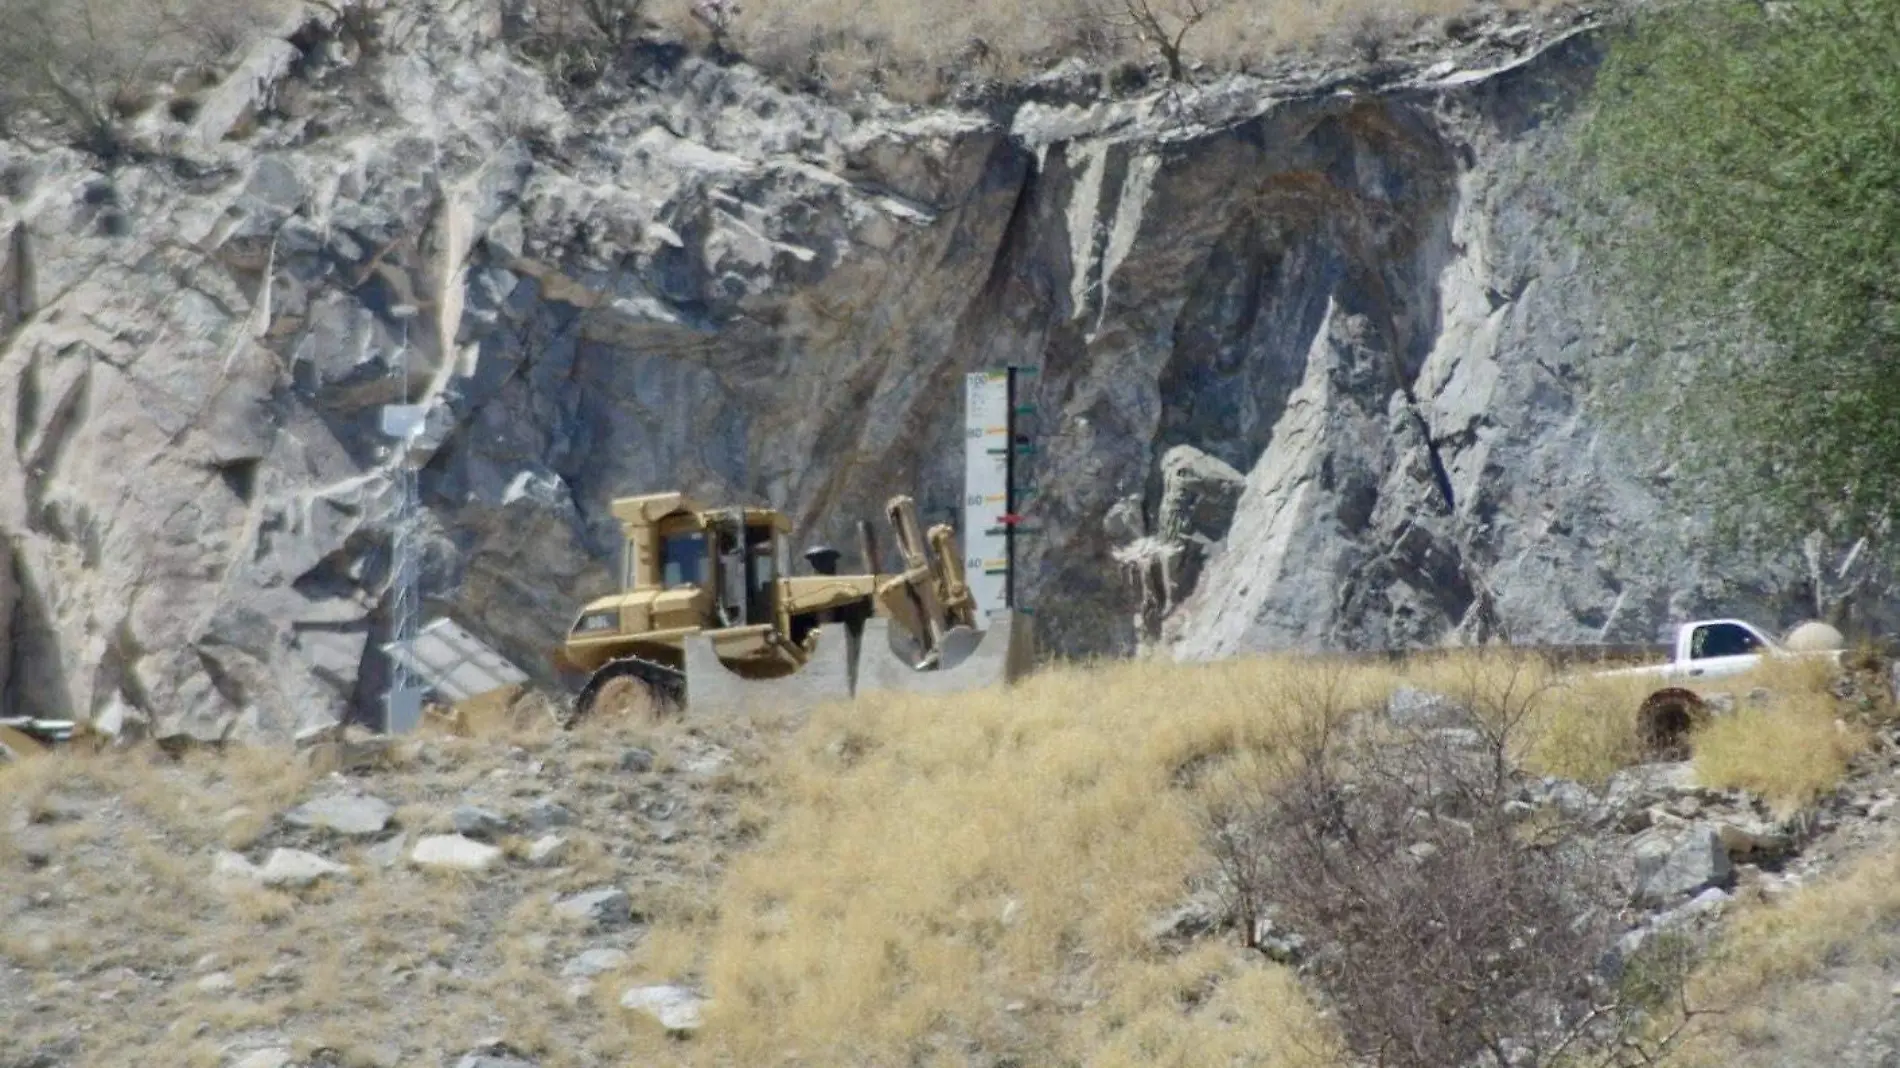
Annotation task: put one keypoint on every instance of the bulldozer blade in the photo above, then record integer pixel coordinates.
(712, 687)
(969, 660)
(958, 643)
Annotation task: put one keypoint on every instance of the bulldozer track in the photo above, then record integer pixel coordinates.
(666, 685)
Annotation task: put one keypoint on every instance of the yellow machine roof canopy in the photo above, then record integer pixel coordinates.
(653, 507)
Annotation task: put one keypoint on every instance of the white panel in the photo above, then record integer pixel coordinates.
(986, 421)
(455, 663)
(403, 421)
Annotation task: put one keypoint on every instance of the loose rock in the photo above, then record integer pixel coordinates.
(547, 851)
(604, 908)
(217, 983)
(476, 822)
(454, 852)
(230, 867)
(675, 1007)
(35, 848)
(1671, 868)
(296, 869)
(492, 1058)
(386, 854)
(1755, 840)
(1408, 707)
(1196, 917)
(594, 962)
(350, 817)
(545, 814)
(1650, 784)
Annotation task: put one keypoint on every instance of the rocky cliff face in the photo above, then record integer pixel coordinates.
(1351, 290)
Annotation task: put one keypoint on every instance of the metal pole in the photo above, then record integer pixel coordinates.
(405, 601)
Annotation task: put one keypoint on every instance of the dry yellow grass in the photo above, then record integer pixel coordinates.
(928, 876)
(1789, 751)
(983, 871)
(976, 871)
(205, 798)
(1560, 721)
(394, 961)
(1805, 973)
(916, 50)
(1791, 748)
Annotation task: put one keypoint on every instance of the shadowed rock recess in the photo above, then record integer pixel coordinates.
(1354, 293)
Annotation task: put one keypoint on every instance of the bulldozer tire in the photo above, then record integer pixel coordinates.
(662, 685)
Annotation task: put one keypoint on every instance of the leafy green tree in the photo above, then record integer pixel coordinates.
(1739, 171)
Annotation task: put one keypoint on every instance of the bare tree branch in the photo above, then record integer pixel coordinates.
(1440, 926)
(91, 64)
(1162, 25)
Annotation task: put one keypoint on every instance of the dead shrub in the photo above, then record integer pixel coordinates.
(1160, 25)
(1446, 926)
(576, 41)
(92, 64)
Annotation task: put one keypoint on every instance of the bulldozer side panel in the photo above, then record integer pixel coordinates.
(750, 649)
(660, 646)
(757, 650)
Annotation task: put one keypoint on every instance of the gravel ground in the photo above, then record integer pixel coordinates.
(243, 909)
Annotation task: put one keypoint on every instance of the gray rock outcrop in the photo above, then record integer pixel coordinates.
(1198, 496)
(1352, 310)
(9, 599)
(1670, 867)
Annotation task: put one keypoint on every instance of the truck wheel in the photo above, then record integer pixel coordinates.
(1666, 719)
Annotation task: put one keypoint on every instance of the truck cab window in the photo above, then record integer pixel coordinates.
(1722, 639)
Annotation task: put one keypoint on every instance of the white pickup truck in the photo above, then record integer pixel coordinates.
(1717, 648)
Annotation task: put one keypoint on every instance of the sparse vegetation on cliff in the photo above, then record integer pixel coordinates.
(92, 64)
(921, 52)
(1743, 161)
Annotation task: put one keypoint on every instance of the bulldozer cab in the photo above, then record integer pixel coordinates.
(745, 557)
(730, 557)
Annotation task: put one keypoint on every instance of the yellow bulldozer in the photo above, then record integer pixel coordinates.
(708, 614)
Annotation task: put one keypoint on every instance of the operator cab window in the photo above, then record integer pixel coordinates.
(763, 553)
(682, 559)
(1723, 639)
(758, 594)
